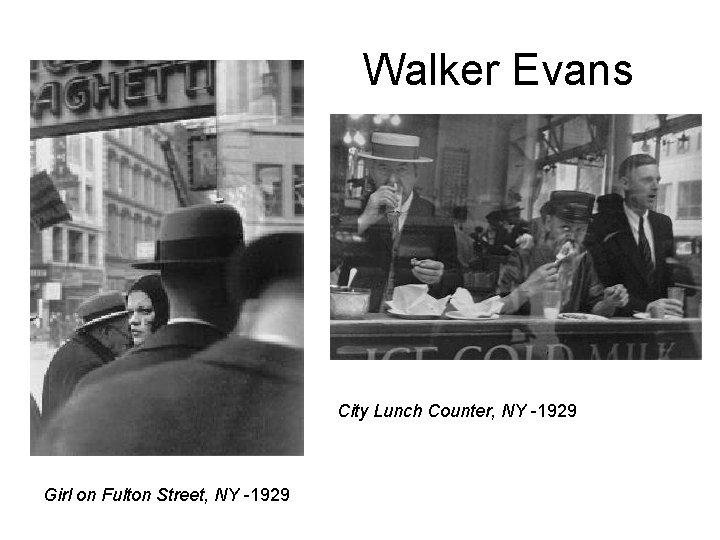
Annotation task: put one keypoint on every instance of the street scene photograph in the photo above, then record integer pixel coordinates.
(166, 245)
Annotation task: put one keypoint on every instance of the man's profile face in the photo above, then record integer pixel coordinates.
(390, 172)
(560, 231)
(641, 187)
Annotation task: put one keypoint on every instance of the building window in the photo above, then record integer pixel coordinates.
(75, 247)
(124, 178)
(137, 233)
(92, 250)
(137, 183)
(89, 157)
(269, 179)
(297, 92)
(74, 149)
(690, 200)
(112, 231)
(57, 244)
(157, 192)
(71, 196)
(299, 189)
(89, 200)
(110, 180)
(147, 143)
(125, 235)
(148, 190)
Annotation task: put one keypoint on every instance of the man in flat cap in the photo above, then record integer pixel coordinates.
(192, 252)
(102, 337)
(241, 396)
(557, 261)
(403, 240)
(631, 243)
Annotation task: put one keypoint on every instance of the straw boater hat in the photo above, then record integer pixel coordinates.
(101, 307)
(206, 233)
(395, 147)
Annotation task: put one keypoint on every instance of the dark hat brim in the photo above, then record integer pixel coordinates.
(103, 318)
(157, 265)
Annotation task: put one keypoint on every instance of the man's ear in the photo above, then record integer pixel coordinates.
(624, 181)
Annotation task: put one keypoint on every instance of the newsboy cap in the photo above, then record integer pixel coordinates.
(574, 206)
(205, 233)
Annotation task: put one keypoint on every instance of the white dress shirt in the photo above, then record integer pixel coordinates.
(404, 209)
(634, 221)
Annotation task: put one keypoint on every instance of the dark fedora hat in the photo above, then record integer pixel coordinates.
(201, 234)
(101, 307)
(573, 206)
(395, 147)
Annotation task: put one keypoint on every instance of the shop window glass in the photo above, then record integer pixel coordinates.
(299, 189)
(690, 200)
(268, 178)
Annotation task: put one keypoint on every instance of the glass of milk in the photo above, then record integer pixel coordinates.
(551, 304)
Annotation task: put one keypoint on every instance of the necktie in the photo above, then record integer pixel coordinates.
(394, 220)
(646, 254)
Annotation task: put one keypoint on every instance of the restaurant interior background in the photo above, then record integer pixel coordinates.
(238, 137)
(494, 162)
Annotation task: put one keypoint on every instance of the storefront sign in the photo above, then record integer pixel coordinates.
(202, 158)
(616, 340)
(72, 96)
(52, 291)
(38, 272)
(75, 277)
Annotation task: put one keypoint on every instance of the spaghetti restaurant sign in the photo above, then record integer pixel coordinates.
(73, 96)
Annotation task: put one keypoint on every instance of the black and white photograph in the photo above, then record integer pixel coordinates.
(516, 236)
(166, 257)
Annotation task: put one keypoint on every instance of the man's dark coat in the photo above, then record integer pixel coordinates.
(239, 397)
(170, 342)
(423, 236)
(76, 357)
(617, 256)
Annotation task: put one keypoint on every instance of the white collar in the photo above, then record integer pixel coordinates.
(633, 217)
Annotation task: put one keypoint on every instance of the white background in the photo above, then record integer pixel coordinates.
(638, 461)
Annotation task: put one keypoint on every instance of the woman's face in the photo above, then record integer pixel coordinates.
(142, 315)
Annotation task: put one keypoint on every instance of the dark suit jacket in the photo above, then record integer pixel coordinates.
(423, 237)
(617, 256)
(170, 342)
(79, 355)
(239, 397)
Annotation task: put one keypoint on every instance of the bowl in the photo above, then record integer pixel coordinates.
(348, 302)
